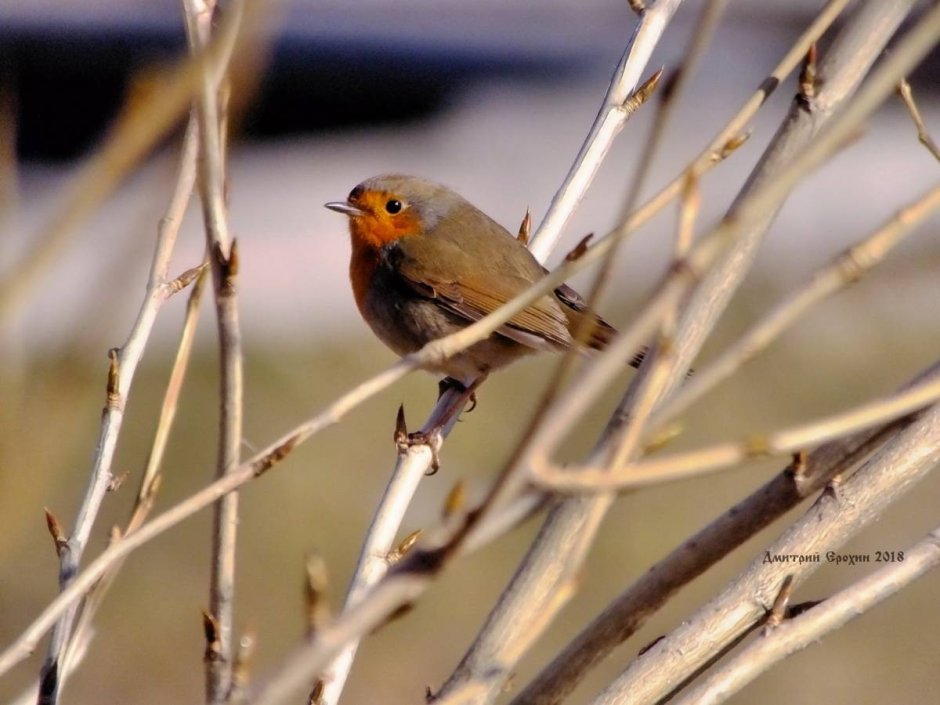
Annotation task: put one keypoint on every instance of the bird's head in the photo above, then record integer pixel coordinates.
(386, 208)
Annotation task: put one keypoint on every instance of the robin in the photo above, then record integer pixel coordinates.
(426, 263)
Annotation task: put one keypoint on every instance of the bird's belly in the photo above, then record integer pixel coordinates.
(406, 322)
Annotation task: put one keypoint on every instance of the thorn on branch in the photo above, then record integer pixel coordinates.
(227, 266)
(400, 437)
(798, 465)
(808, 76)
(732, 145)
(316, 693)
(579, 249)
(638, 6)
(524, 227)
(455, 501)
(643, 93)
(778, 612)
(117, 481)
(55, 530)
(315, 585)
(405, 545)
(210, 627)
(114, 379)
(262, 465)
(833, 488)
(185, 279)
(662, 437)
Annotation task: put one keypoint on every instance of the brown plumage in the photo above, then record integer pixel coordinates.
(426, 263)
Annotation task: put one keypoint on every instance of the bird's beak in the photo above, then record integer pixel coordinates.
(344, 208)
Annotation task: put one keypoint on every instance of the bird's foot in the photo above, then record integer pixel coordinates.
(433, 440)
(451, 384)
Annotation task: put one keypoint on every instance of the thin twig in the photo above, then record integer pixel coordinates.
(124, 366)
(224, 264)
(904, 90)
(607, 125)
(809, 627)
(727, 455)
(150, 480)
(846, 269)
(145, 492)
(374, 556)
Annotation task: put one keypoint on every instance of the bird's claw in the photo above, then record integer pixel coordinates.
(430, 439)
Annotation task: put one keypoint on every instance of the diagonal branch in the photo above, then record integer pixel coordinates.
(607, 125)
(630, 610)
(830, 522)
(809, 627)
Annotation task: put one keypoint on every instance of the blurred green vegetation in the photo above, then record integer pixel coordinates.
(148, 642)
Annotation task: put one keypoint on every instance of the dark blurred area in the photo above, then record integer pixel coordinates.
(324, 71)
(337, 66)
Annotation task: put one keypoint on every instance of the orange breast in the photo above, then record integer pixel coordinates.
(369, 233)
(362, 266)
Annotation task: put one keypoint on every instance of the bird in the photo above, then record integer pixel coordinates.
(426, 263)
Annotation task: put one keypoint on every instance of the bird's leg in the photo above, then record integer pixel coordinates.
(431, 435)
(450, 383)
(446, 384)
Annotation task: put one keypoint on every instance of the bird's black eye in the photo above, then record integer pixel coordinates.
(393, 206)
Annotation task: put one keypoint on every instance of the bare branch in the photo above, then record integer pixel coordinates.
(724, 455)
(630, 610)
(607, 125)
(808, 628)
(122, 367)
(223, 260)
(830, 522)
(848, 268)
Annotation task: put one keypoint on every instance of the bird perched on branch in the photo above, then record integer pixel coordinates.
(427, 263)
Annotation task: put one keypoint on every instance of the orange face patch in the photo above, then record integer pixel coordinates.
(379, 226)
(370, 231)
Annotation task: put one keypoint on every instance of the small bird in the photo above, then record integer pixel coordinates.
(426, 263)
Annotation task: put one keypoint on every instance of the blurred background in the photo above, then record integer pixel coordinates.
(493, 99)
